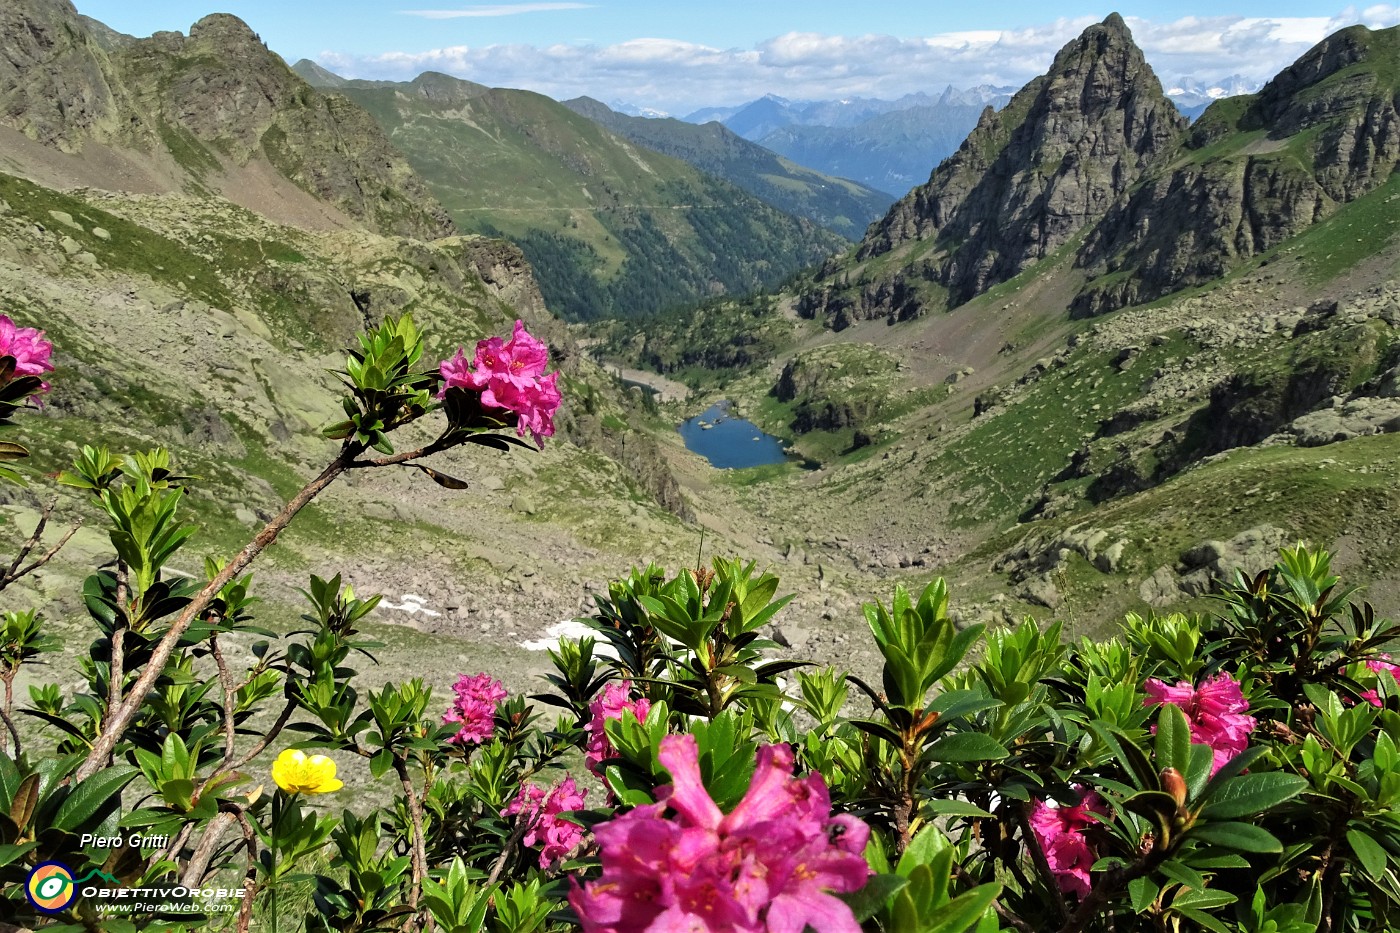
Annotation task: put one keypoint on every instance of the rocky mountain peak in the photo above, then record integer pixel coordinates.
(1114, 23)
(1340, 50)
(1258, 170)
(446, 89)
(1343, 71)
(224, 27)
(590, 107)
(1034, 174)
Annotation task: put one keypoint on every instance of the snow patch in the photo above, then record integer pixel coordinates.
(413, 604)
(572, 629)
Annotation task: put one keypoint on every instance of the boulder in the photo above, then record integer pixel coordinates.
(1202, 565)
(1356, 418)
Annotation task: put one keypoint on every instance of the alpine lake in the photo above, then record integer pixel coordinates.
(728, 441)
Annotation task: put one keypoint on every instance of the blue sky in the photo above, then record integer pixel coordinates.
(678, 56)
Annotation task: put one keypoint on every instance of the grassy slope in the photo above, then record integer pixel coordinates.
(611, 228)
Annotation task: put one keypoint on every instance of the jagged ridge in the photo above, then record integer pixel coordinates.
(1255, 171)
(1031, 176)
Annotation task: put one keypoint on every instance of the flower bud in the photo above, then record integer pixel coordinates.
(1174, 784)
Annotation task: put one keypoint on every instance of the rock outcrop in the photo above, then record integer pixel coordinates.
(210, 107)
(1033, 175)
(1199, 567)
(53, 75)
(1256, 170)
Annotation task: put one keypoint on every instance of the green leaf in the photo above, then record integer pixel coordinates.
(1183, 875)
(866, 902)
(1141, 893)
(1208, 899)
(961, 912)
(1198, 774)
(903, 914)
(955, 704)
(60, 723)
(1236, 766)
(1203, 919)
(9, 853)
(879, 730)
(1368, 852)
(1243, 837)
(926, 844)
(92, 795)
(1249, 794)
(1125, 750)
(967, 746)
(178, 793)
(956, 808)
(1217, 859)
(1152, 803)
(1173, 747)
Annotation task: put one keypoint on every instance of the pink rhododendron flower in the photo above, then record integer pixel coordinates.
(510, 376)
(1215, 711)
(475, 707)
(1060, 832)
(1373, 696)
(30, 350)
(557, 837)
(772, 864)
(611, 703)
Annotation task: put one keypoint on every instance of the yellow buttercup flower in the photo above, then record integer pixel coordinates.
(296, 772)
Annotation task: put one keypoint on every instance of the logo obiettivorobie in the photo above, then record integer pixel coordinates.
(50, 887)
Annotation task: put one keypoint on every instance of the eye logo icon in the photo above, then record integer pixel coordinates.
(50, 887)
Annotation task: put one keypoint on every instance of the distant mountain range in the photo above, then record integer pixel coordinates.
(1188, 92)
(893, 145)
(1192, 97)
(846, 207)
(888, 145)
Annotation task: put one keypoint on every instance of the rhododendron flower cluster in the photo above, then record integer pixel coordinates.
(1060, 832)
(30, 350)
(610, 703)
(475, 707)
(510, 376)
(772, 864)
(542, 808)
(1215, 711)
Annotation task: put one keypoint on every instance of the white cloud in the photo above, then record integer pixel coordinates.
(678, 76)
(504, 9)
